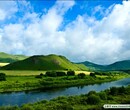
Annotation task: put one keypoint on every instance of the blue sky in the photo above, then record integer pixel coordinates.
(92, 30)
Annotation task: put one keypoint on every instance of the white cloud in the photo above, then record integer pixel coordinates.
(101, 41)
(7, 9)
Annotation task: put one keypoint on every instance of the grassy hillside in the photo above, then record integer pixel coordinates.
(40, 62)
(8, 58)
(3, 64)
(93, 66)
(120, 65)
(117, 66)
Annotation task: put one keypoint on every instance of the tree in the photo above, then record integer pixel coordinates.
(2, 77)
(38, 76)
(92, 92)
(70, 73)
(93, 99)
(41, 74)
(81, 75)
(92, 74)
(121, 90)
(61, 73)
(103, 95)
(51, 74)
(113, 91)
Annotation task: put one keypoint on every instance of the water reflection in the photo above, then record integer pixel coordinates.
(19, 98)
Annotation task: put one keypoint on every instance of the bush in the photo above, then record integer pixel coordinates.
(27, 107)
(51, 74)
(92, 74)
(98, 73)
(70, 73)
(121, 90)
(41, 74)
(2, 77)
(38, 76)
(61, 73)
(113, 91)
(81, 75)
(110, 97)
(93, 99)
(92, 92)
(103, 95)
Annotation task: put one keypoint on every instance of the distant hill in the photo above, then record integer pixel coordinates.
(41, 62)
(120, 65)
(92, 66)
(55, 62)
(8, 58)
(117, 66)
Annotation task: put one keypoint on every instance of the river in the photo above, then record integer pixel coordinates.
(19, 98)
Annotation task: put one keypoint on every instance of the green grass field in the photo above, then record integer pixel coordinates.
(3, 64)
(31, 72)
(21, 73)
(26, 80)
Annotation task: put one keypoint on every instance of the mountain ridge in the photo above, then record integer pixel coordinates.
(116, 66)
(86, 65)
(9, 58)
(42, 62)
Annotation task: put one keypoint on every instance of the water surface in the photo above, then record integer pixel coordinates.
(19, 98)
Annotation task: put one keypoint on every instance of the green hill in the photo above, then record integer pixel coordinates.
(93, 66)
(120, 65)
(117, 66)
(40, 62)
(8, 58)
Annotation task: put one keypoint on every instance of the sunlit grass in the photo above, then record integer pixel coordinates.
(21, 73)
(32, 72)
(3, 64)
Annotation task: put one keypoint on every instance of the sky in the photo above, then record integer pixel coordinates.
(81, 30)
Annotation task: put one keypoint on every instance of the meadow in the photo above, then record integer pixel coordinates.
(28, 80)
(3, 64)
(32, 72)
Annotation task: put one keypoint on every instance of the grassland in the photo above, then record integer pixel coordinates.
(41, 62)
(8, 58)
(32, 72)
(26, 80)
(3, 64)
(21, 73)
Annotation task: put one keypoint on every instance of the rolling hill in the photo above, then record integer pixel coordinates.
(41, 62)
(55, 62)
(93, 66)
(8, 58)
(117, 66)
(120, 65)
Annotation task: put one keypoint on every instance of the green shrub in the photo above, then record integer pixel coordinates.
(92, 92)
(121, 90)
(113, 91)
(103, 95)
(51, 74)
(2, 77)
(60, 73)
(81, 75)
(70, 73)
(110, 97)
(38, 76)
(41, 74)
(92, 74)
(97, 73)
(93, 99)
(27, 107)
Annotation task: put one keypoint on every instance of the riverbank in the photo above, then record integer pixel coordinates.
(26, 83)
(91, 101)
